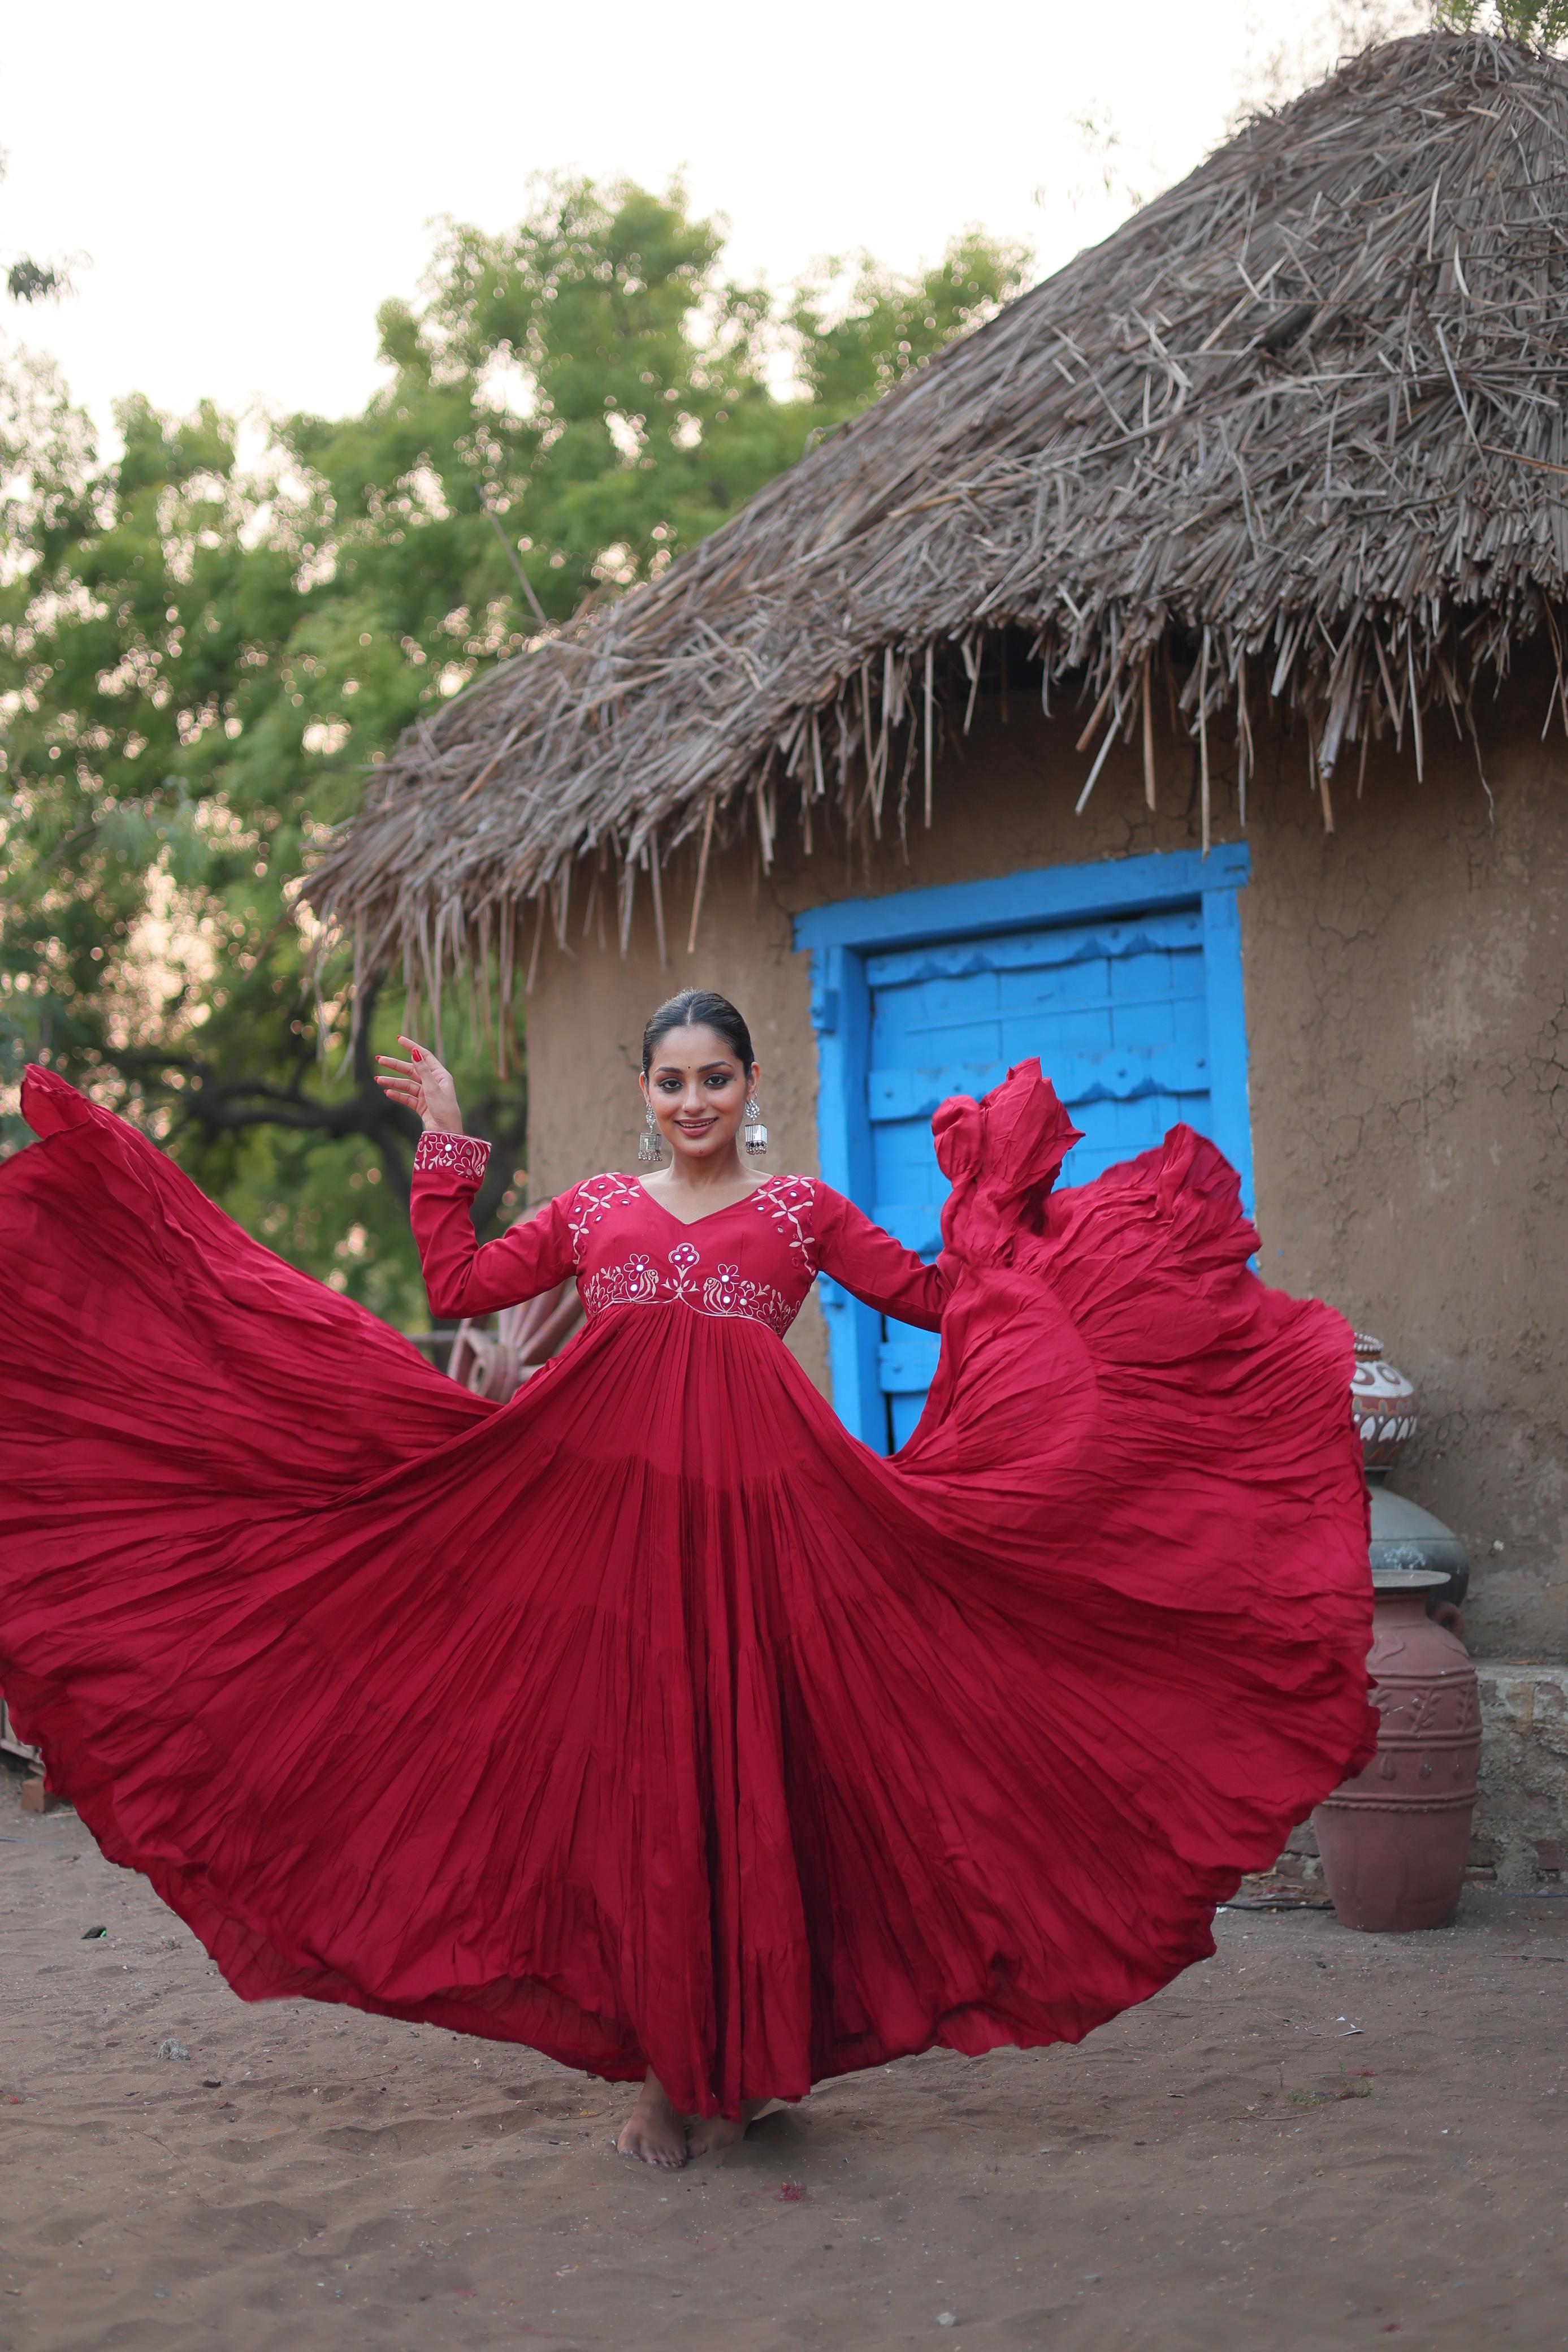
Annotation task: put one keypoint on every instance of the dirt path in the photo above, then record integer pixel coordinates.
(1230, 2166)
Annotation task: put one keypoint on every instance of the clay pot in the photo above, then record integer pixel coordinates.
(1395, 1840)
(1405, 1536)
(1383, 1403)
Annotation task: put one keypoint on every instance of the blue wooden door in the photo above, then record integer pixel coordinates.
(1117, 1012)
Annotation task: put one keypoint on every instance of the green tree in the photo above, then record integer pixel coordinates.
(1539, 24)
(200, 659)
(29, 280)
(854, 343)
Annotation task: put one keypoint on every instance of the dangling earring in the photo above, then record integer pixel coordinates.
(650, 1143)
(754, 1133)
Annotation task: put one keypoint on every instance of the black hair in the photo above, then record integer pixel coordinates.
(700, 1008)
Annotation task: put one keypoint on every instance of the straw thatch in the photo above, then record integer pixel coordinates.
(1295, 430)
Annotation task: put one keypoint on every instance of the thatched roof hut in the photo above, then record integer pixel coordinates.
(1155, 682)
(1295, 431)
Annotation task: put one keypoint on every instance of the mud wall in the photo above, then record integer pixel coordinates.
(1407, 982)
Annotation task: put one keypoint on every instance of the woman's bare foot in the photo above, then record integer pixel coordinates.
(654, 2132)
(706, 2134)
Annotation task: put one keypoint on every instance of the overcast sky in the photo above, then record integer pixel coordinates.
(242, 186)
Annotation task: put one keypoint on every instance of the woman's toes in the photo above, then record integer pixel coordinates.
(653, 2139)
(708, 2134)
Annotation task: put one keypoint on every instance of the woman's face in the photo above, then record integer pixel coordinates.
(697, 1088)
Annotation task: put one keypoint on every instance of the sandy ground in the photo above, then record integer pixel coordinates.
(1316, 2138)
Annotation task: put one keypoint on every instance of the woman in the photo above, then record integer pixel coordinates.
(649, 1719)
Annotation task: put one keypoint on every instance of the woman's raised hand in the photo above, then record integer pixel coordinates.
(423, 1085)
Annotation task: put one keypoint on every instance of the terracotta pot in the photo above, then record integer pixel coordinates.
(1396, 1839)
(1383, 1403)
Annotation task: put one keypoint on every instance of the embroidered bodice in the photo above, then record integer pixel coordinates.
(751, 1261)
(722, 1265)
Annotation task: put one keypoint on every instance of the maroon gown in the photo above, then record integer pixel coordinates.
(649, 1719)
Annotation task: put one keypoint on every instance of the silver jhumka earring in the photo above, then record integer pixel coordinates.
(754, 1134)
(650, 1143)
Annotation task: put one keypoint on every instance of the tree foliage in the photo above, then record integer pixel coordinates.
(1538, 23)
(29, 280)
(201, 655)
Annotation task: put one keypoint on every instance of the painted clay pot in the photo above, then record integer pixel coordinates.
(1383, 1403)
(1396, 1839)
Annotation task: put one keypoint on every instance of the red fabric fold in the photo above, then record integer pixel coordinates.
(650, 1718)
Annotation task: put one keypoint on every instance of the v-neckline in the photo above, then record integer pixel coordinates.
(687, 1223)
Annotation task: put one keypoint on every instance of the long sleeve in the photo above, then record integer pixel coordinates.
(875, 1268)
(463, 1275)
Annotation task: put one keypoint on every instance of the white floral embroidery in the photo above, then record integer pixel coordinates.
(464, 1155)
(727, 1293)
(634, 1283)
(721, 1291)
(638, 1282)
(787, 1200)
(683, 1257)
(593, 1200)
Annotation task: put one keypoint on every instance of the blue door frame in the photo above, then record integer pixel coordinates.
(842, 937)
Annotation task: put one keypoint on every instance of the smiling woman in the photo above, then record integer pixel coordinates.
(699, 1081)
(652, 1720)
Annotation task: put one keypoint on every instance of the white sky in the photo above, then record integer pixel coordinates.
(242, 186)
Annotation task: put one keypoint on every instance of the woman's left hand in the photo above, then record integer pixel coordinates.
(423, 1085)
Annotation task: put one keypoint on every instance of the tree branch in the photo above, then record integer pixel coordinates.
(506, 1123)
(216, 1105)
